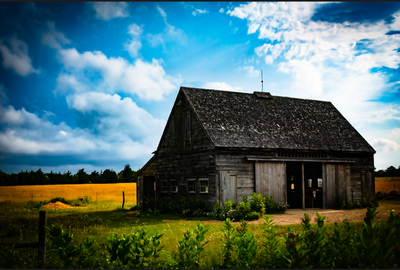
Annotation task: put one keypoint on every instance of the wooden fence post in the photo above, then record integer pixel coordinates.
(42, 238)
(123, 199)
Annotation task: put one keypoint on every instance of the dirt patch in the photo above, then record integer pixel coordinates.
(294, 216)
(56, 205)
(356, 215)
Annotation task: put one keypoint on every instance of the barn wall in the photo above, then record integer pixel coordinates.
(271, 180)
(186, 152)
(234, 162)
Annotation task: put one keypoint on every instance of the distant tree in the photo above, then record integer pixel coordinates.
(109, 176)
(95, 177)
(126, 173)
(82, 177)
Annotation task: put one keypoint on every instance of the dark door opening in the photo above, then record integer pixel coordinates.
(294, 189)
(148, 188)
(313, 184)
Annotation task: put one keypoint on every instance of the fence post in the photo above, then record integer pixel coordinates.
(123, 199)
(42, 238)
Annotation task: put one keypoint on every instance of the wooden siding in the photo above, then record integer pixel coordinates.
(337, 178)
(271, 180)
(234, 161)
(185, 152)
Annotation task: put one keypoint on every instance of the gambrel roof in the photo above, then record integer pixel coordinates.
(260, 120)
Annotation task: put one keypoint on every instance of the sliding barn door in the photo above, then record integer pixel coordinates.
(337, 179)
(271, 180)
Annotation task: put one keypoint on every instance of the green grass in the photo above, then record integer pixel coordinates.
(99, 220)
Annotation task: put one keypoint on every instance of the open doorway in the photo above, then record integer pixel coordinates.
(294, 189)
(312, 184)
(148, 188)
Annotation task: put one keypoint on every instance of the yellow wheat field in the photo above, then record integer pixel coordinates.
(98, 192)
(387, 184)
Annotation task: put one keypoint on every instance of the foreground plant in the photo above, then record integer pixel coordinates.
(191, 247)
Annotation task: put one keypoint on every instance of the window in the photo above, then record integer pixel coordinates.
(203, 185)
(319, 182)
(192, 185)
(174, 186)
(164, 186)
(309, 182)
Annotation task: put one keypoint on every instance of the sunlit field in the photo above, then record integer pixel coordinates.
(387, 184)
(98, 192)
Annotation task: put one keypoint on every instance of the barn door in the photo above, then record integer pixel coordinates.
(228, 187)
(271, 180)
(337, 179)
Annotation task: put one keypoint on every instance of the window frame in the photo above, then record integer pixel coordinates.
(166, 186)
(172, 186)
(192, 180)
(207, 180)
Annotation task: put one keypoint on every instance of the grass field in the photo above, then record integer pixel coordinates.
(100, 220)
(387, 184)
(98, 192)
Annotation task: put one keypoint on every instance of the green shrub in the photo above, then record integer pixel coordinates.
(192, 207)
(257, 203)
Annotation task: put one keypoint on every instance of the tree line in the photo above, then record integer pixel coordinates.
(127, 175)
(389, 172)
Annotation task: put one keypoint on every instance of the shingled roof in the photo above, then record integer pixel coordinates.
(260, 120)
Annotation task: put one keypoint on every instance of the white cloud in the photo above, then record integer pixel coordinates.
(135, 30)
(110, 10)
(120, 130)
(54, 38)
(385, 145)
(147, 80)
(199, 11)
(221, 10)
(134, 44)
(250, 71)
(220, 86)
(15, 57)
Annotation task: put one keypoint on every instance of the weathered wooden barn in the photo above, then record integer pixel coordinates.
(222, 145)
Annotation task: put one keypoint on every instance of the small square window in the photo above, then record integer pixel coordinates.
(192, 185)
(174, 186)
(203, 185)
(319, 182)
(164, 186)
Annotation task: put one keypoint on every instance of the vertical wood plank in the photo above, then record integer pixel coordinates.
(302, 186)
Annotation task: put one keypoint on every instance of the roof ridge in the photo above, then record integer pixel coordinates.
(246, 93)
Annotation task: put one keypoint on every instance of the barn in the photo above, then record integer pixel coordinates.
(223, 145)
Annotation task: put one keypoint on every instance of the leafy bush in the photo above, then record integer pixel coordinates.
(358, 204)
(257, 203)
(192, 207)
(159, 205)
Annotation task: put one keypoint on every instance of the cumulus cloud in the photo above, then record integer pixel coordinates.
(119, 130)
(53, 38)
(147, 80)
(199, 11)
(15, 56)
(110, 10)
(220, 86)
(250, 71)
(134, 44)
(385, 145)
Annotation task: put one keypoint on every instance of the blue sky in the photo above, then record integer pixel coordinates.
(91, 85)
